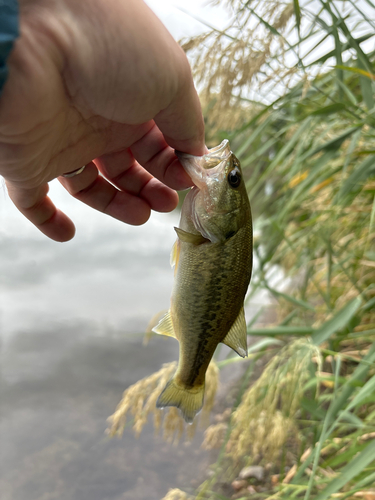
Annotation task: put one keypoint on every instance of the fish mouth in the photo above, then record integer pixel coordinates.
(210, 165)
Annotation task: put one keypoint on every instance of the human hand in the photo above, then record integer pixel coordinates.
(101, 84)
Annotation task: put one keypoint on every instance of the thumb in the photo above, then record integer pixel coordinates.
(182, 121)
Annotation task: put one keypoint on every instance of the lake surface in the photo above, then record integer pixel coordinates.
(72, 317)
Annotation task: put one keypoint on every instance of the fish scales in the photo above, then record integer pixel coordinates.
(212, 293)
(213, 260)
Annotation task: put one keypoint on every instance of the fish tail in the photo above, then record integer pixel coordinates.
(189, 401)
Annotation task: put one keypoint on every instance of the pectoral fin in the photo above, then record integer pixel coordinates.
(195, 239)
(236, 338)
(175, 255)
(165, 326)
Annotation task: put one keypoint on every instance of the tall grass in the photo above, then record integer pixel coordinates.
(292, 86)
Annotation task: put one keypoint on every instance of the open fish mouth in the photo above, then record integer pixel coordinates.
(210, 165)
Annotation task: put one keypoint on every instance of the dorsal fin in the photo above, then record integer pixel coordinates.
(165, 326)
(195, 239)
(236, 338)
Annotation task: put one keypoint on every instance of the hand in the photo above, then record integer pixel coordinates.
(101, 84)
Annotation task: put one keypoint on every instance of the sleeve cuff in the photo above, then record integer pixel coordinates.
(9, 31)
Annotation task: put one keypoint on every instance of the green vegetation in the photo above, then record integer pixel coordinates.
(292, 86)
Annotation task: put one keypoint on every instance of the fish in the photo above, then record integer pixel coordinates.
(212, 261)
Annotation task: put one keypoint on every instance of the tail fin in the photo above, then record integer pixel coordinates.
(189, 401)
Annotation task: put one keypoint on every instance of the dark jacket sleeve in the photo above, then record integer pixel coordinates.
(9, 31)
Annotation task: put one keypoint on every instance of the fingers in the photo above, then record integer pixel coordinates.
(127, 175)
(154, 154)
(132, 191)
(93, 190)
(129, 196)
(35, 205)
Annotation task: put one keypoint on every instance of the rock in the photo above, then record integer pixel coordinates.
(238, 484)
(256, 471)
(251, 489)
(366, 495)
(275, 479)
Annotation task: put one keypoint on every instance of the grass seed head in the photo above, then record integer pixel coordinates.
(265, 416)
(214, 436)
(139, 401)
(230, 65)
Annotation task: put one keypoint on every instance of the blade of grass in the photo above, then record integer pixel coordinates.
(281, 330)
(255, 318)
(345, 46)
(352, 145)
(338, 45)
(348, 93)
(339, 402)
(341, 457)
(289, 317)
(297, 13)
(280, 156)
(342, 355)
(363, 393)
(350, 471)
(358, 71)
(336, 142)
(362, 57)
(290, 298)
(250, 139)
(367, 481)
(339, 321)
(349, 387)
(275, 32)
(366, 86)
(319, 445)
(359, 174)
(328, 110)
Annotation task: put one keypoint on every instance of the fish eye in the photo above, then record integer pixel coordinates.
(234, 178)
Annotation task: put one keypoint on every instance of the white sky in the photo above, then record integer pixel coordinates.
(181, 17)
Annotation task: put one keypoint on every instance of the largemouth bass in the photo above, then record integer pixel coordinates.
(212, 258)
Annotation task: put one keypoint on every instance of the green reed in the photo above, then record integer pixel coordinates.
(292, 86)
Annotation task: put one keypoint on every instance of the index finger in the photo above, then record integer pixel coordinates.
(153, 153)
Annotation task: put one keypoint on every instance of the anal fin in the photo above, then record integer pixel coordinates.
(236, 338)
(165, 326)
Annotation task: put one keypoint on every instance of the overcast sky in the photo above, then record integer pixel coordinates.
(181, 17)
